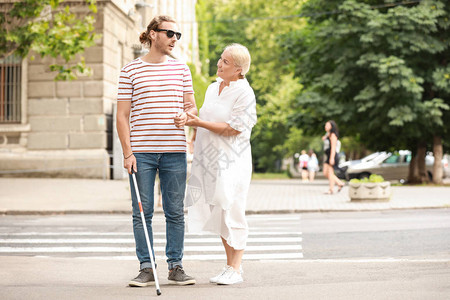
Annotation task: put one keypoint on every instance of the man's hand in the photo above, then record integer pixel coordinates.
(129, 163)
(180, 119)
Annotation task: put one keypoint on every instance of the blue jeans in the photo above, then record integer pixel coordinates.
(172, 176)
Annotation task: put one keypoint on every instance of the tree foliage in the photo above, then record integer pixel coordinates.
(255, 24)
(49, 28)
(381, 70)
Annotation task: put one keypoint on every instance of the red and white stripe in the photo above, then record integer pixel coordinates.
(156, 93)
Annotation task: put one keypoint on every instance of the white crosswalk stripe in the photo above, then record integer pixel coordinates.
(130, 240)
(269, 238)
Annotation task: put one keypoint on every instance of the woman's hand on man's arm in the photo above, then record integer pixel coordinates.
(221, 128)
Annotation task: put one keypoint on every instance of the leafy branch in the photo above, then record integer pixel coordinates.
(50, 29)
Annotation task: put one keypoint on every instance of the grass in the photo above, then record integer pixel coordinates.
(256, 176)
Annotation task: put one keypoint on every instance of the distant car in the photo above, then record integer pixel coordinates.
(357, 161)
(392, 166)
(343, 167)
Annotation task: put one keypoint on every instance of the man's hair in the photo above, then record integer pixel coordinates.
(144, 38)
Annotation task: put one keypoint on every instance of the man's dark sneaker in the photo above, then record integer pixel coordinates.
(145, 278)
(178, 277)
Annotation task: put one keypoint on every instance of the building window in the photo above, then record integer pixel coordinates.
(10, 90)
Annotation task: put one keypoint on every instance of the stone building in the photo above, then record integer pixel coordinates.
(66, 129)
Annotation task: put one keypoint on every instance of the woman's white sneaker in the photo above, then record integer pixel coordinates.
(230, 277)
(215, 278)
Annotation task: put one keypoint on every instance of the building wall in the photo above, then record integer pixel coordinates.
(68, 127)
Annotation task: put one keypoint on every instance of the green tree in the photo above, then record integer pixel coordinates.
(273, 137)
(200, 84)
(220, 24)
(48, 28)
(255, 24)
(379, 69)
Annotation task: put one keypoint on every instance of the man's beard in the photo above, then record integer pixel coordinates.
(162, 48)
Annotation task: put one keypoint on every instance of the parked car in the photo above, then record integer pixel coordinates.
(392, 166)
(341, 173)
(357, 161)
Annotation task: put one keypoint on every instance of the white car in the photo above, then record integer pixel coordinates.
(392, 166)
(343, 166)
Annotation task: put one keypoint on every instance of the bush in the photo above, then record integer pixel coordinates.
(372, 178)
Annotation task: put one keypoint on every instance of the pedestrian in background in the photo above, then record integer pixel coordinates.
(222, 166)
(154, 141)
(313, 165)
(303, 165)
(331, 156)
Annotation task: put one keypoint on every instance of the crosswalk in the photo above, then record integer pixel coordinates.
(271, 237)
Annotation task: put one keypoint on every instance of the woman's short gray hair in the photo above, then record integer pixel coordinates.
(241, 56)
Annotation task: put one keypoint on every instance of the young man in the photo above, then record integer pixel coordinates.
(157, 91)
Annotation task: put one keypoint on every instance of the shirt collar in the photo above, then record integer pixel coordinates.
(239, 82)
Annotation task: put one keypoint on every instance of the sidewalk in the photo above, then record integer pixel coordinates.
(46, 196)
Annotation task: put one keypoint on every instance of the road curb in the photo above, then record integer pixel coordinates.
(248, 212)
(63, 212)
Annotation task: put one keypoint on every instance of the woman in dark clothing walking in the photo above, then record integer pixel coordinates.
(331, 156)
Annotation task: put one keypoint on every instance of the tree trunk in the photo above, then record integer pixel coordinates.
(438, 154)
(413, 175)
(421, 153)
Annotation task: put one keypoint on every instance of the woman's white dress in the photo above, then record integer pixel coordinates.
(222, 167)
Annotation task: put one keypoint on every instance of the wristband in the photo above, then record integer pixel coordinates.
(129, 155)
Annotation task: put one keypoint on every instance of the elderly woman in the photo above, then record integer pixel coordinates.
(222, 166)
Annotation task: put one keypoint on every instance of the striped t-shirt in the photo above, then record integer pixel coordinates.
(156, 94)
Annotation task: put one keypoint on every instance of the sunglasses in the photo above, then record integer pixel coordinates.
(170, 33)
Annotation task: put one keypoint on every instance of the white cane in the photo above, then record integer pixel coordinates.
(152, 260)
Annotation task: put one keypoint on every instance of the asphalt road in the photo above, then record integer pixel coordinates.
(353, 255)
(413, 234)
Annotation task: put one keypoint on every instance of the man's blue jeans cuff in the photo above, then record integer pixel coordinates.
(146, 265)
(174, 264)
